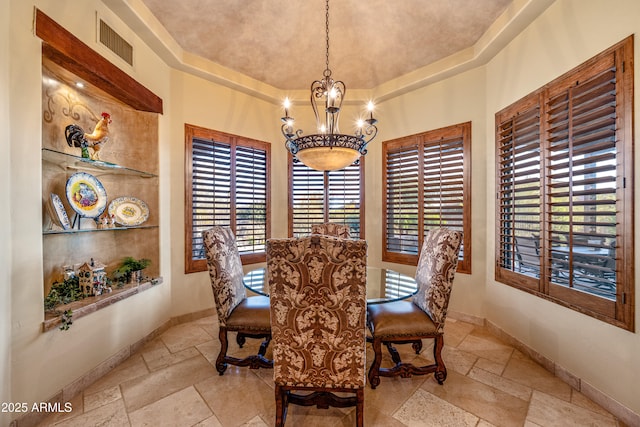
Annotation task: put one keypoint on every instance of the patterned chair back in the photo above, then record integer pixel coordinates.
(436, 269)
(318, 305)
(225, 270)
(332, 229)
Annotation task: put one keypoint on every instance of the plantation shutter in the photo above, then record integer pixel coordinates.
(251, 199)
(402, 199)
(427, 185)
(581, 123)
(316, 197)
(565, 189)
(344, 189)
(307, 194)
(519, 194)
(443, 184)
(211, 189)
(226, 184)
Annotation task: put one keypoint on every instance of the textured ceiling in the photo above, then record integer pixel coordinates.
(282, 42)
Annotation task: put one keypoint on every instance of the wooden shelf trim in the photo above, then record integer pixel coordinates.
(68, 51)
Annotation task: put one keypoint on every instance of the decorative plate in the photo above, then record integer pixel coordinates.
(60, 211)
(129, 211)
(86, 195)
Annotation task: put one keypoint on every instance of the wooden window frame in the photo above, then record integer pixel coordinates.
(326, 198)
(461, 130)
(195, 265)
(618, 309)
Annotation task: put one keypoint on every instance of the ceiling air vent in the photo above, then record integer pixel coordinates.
(116, 43)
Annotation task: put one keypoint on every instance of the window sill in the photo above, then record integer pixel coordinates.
(91, 304)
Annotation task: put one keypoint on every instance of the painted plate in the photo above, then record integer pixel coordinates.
(129, 211)
(86, 195)
(60, 211)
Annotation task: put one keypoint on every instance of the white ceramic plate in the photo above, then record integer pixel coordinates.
(86, 195)
(60, 211)
(129, 211)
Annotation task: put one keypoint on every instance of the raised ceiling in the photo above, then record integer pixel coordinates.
(282, 42)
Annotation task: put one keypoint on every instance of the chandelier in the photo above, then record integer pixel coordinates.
(328, 149)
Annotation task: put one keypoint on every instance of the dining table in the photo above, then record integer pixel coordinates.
(383, 284)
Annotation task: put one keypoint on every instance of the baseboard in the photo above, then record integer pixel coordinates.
(32, 419)
(616, 408)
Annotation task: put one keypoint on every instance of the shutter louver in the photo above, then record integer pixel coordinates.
(251, 199)
(582, 188)
(308, 198)
(519, 192)
(344, 198)
(443, 184)
(402, 226)
(211, 189)
(333, 196)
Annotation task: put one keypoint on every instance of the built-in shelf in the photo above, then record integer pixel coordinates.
(69, 161)
(133, 145)
(89, 305)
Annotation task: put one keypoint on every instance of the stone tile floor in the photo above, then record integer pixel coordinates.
(172, 382)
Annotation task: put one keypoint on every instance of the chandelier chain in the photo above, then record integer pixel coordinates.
(327, 71)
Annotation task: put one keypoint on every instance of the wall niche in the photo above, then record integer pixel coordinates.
(99, 205)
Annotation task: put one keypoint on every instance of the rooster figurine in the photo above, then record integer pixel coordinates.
(76, 137)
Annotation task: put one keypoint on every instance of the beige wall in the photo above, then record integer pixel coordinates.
(41, 364)
(455, 100)
(5, 217)
(568, 33)
(199, 102)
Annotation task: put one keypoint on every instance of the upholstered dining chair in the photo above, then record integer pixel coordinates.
(249, 317)
(409, 322)
(332, 229)
(317, 287)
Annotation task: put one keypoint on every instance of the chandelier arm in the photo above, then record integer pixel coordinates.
(370, 131)
(317, 93)
(292, 147)
(286, 130)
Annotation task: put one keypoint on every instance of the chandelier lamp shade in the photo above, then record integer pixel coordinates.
(328, 149)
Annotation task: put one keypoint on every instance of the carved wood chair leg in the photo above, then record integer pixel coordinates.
(441, 369)
(280, 406)
(221, 365)
(395, 356)
(264, 345)
(240, 339)
(360, 407)
(374, 378)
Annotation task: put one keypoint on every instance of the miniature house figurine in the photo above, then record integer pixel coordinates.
(93, 278)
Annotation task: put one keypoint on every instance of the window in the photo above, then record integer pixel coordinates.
(427, 184)
(565, 189)
(227, 184)
(316, 197)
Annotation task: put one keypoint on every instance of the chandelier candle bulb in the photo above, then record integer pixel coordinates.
(286, 105)
(371, 120)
